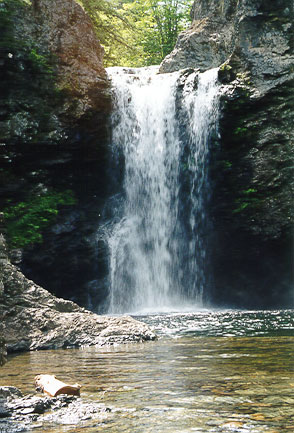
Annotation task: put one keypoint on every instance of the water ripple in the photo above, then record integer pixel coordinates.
(222, 323)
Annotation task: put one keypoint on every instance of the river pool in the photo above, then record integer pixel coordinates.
(210, 371)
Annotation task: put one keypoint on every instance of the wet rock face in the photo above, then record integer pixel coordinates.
(2, 346)
(251, 167)
(3, 258)
(251, 205)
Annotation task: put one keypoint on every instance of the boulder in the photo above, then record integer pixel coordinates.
(9, 391)
(34, 319)
(69, 34)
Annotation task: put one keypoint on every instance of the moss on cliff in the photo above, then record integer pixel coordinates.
(26, 220)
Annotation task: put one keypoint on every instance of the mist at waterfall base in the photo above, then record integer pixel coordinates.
(156, 226)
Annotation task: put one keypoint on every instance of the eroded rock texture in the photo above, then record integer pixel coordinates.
(252, 178)
(34, 319)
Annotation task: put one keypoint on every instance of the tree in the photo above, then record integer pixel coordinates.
(110, 22)
(169, 18)
(138, 32)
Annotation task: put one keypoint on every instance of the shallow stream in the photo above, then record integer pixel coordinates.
(210, 371)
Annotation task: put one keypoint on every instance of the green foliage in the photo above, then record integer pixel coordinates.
(249, 198)
(138, 32)
(240, 131)
(227, 165)
(225, 67)
(241, 207)
(26, 220)
(109, 21)
(40, 62)
(249, 191)
(158, 25)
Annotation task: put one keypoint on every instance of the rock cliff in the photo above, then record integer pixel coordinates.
(251, 168)
(54, 109)
(53, 43)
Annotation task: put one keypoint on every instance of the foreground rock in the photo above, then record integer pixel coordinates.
(34, 319)
(21, 413)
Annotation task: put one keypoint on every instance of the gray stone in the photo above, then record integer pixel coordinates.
(22, 414)
(63, 27)
(256, 34)
(9, 391)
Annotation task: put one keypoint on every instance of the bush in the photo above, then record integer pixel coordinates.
(26, 220)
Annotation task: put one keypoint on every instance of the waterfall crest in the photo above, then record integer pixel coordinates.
(154, 264)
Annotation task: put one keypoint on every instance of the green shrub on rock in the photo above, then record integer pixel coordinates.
(26, 220)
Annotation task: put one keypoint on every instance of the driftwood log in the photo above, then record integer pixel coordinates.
(48, 384)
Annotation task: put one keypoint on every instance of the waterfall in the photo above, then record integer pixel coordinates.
(156, 251)
(201, 108)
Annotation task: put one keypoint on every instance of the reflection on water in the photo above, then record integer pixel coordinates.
(187, 384)
(222, 323)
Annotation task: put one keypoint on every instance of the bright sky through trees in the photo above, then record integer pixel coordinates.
(138, 32)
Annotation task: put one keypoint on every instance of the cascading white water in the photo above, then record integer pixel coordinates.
(147, 265)
(202, 109)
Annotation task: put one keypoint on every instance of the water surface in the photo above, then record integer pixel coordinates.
(226, 371)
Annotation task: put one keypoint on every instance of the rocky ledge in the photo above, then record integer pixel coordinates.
(35, 319)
